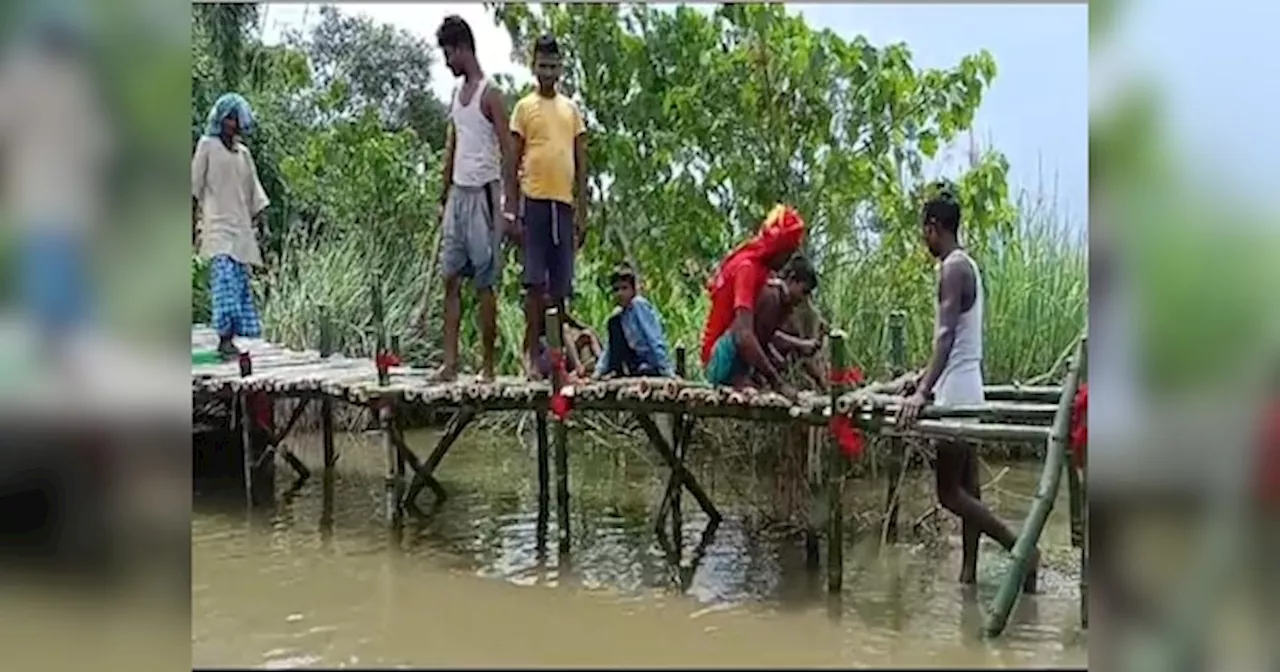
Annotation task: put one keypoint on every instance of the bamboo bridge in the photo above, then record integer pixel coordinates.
(248, 389)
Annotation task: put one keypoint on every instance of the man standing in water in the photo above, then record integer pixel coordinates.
(551, 150)
(227, 205)
(954, 378)
(478, 152)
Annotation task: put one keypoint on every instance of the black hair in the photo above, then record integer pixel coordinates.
(454, 32)
(623, 272)
(547, 46)
(943, 210)
(799, 268)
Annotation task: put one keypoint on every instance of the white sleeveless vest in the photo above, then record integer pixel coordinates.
(476, 157)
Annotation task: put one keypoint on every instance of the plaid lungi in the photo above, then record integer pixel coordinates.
(233, 310)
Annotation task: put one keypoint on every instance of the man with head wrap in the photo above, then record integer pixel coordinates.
(227, 204)
(733, 352)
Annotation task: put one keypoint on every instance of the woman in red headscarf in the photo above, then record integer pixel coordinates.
(730, 339)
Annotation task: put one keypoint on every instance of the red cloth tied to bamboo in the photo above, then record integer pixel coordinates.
(848, 437)
(849, 376)
(561, 404)
(262, 409)
(386, 360)
(743, 273)
(1078, 440)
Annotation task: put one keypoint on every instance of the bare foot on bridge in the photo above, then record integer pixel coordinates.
(530, 367)
(444, 374)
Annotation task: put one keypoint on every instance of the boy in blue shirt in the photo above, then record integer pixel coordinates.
(637, 345)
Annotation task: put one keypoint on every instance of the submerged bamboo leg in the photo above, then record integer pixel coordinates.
(668, 455)
(555, 341)
(1046, 492)
(393, 480)
(678, 446)
(836, 469)
(544, 482)
(817, 515)
(894, 459)
(424, 473)
(247, 435)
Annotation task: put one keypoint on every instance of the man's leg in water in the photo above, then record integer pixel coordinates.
(969, 533)
(956, 498)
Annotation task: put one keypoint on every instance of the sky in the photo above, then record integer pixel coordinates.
(1036, 111)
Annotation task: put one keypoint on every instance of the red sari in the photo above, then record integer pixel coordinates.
(744, 272)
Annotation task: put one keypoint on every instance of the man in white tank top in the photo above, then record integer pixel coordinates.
(954, 378)
(478, 152)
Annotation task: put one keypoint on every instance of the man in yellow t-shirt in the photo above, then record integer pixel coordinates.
(551, 155)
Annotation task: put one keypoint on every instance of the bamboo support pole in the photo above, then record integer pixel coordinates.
(246, 431)
(392, 482)
(544, 482)
(424, 473)
(685, 478)
(837, 467)
(895, 457)
(1046, 492)
(555, 341)
(816, 520)
(326, 402)
(678, 445)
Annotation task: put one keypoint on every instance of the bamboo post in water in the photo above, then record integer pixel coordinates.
(555, 341)
(391, 482)
(836, 469)
(1080, 535)
(544, 482)
(1050, 477)
(246, 431)
(678, 446)
(894, 459)
(326, 425)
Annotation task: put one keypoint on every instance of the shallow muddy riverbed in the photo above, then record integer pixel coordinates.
(468, 587)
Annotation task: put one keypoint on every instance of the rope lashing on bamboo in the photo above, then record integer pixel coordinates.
(561, 403)
(1079, 436)
(847, 436)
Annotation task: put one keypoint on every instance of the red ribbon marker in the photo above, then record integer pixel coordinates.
(560, 405)
(1079, 437)
(849, 376)
(847, 436)
(386, 360)
(262, 410)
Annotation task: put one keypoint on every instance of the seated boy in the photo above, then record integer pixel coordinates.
(636, 345)
(741, 356)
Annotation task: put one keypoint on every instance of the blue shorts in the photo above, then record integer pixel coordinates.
(549, 247)
(471, 246)
(726, 365)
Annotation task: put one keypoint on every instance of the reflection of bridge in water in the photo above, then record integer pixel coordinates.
(665, 408)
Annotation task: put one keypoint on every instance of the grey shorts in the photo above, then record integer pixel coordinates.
(471, 246)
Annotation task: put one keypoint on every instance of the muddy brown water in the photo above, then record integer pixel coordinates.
(469, 586)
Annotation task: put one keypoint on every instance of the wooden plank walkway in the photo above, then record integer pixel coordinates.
(280, 371)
